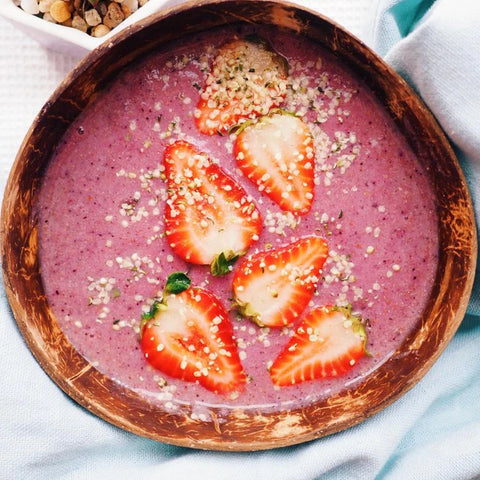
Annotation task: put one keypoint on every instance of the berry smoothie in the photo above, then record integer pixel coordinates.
(105, 256)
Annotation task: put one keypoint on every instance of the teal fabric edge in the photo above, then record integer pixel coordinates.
(408, 13)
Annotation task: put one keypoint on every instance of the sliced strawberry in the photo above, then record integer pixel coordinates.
(207, 212)
(247, 79)
(273, 288)
(190, 337)
(327, 343)
(277, 155)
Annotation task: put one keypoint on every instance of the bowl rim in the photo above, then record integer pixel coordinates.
(241, 430)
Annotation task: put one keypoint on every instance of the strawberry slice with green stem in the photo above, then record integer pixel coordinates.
(247, 79)
(276, 153)
(209, 218)
(328, 342)
(188, 335)
(274, 287)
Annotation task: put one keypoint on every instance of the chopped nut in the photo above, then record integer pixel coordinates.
(114, 15)
(79, 23)
(60, 11)
(132, 5)
(73, 13)
(100, 30)
(102, 8)
(48, 18)
(45, 5)
(126, 11)
(92, 17)
(30, 6)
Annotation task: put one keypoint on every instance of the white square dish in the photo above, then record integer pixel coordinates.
(69, 40)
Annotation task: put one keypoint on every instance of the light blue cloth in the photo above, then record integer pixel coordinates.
(432, 432)
(435, 46)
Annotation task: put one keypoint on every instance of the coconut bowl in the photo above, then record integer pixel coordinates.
(238, 430)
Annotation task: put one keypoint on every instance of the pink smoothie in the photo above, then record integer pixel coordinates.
(101, 233)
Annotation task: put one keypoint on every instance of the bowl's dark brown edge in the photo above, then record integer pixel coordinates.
(240, 430)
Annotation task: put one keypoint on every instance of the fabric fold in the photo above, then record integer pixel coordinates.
(435, 47)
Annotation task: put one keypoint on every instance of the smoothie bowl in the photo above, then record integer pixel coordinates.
(234, 227)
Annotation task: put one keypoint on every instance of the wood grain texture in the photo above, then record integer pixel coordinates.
(237, 430)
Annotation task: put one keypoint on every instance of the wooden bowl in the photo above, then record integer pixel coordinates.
(239, 430)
